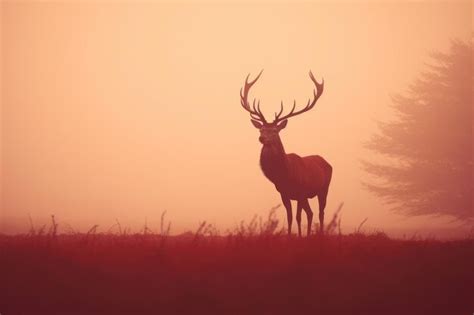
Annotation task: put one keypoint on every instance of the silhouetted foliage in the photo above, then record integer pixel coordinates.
(245, 272)
(430, 142)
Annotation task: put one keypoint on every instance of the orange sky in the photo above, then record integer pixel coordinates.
(125, 110)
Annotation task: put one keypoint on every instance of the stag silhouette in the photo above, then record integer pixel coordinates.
(295, 178)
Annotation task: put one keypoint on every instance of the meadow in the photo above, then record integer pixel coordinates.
(255, 269)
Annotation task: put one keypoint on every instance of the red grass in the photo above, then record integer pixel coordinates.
(253, 271)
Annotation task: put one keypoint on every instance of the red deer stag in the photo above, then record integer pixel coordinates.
(295, 178)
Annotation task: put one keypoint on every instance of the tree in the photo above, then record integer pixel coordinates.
(428, 166)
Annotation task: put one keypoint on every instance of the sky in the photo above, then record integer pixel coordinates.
(120, 111)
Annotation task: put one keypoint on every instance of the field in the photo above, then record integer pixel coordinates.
(254, 270)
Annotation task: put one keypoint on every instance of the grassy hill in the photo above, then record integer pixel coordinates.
(252, 271)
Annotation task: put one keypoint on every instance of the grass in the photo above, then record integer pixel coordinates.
(255, 269)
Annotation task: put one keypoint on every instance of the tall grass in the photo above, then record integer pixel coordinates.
(254, 268)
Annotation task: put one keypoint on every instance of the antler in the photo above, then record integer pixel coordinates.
(317, 93)
(254, 111)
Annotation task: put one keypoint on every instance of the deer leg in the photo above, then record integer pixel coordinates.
(299, 207)
(289, 214)
(322, 205)
(309, 215)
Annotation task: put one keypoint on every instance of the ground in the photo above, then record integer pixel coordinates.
(247, 272)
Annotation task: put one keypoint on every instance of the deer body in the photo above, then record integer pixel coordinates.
(295, 178)
(300, 178)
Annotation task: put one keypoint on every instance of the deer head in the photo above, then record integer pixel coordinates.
(269, 132)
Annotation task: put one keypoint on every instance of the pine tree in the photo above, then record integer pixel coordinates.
(429, 147)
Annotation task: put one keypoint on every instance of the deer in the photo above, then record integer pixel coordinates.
(295, 177)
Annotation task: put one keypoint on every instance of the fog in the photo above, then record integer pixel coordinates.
(123, 111)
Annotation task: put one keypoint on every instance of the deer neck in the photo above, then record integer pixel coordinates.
(273, 161)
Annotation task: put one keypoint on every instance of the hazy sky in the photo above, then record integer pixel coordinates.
(121, 111)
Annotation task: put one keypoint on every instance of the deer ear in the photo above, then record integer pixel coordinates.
(282, 125)
(256, 124)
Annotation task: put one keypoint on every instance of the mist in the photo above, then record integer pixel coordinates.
(123, 111)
